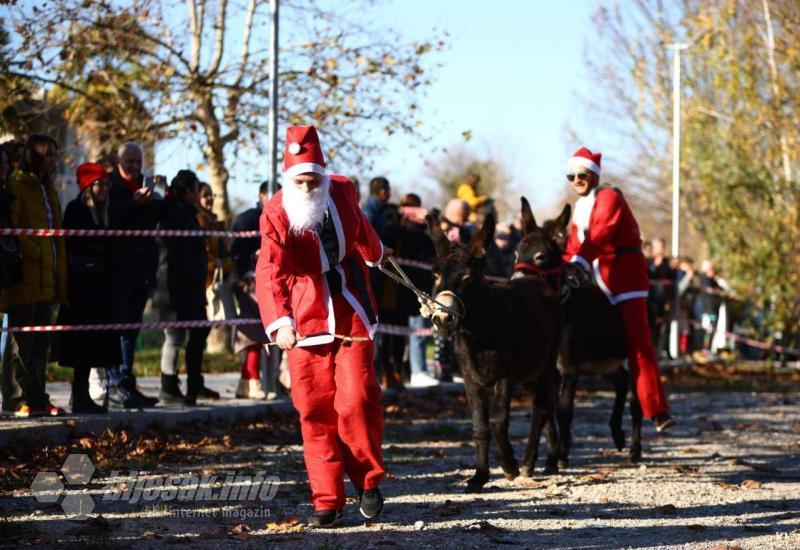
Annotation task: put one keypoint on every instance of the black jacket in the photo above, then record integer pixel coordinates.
(244, 250)
(90, 288)
(186, 261)
(135, 259)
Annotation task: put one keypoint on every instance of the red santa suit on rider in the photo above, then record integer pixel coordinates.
(312, 283)
(604, 238)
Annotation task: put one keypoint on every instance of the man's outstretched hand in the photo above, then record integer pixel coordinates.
(286, 338)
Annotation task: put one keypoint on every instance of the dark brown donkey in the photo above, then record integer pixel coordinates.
(504, 334)
(594, 338)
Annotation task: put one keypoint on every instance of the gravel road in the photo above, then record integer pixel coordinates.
(726, 477)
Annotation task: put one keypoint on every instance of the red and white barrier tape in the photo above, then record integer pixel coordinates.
(749, 341)
(124, 232)
(385, 329)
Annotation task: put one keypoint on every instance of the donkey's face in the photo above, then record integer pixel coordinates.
(542, 246)
(457, 267)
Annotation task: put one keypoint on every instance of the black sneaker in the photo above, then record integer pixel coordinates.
(370, 503)
(325, 519)
(120, 398)
(663, 422)
(147, 402)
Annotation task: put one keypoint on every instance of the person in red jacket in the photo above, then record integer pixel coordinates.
(312, 285)
(604, 238)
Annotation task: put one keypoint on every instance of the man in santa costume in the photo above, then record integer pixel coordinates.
(312, 285)
(604, 239)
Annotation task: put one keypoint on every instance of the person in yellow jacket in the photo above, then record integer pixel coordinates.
(43, 284)
(468, 191)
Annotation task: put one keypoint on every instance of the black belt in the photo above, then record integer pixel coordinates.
(624, 250)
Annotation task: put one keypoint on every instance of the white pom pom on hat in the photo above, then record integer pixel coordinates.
(294, 148)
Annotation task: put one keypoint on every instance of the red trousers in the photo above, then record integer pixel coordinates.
(642, 357)
(341, 418)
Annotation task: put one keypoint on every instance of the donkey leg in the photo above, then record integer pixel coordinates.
(542, 413)
(548, 394)
(564, 413)
(498, 423)
(621, 381)
(636, 428)
(480, 432)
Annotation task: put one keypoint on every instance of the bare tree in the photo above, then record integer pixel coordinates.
(199, 72)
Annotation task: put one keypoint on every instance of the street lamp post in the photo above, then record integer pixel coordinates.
(676, 186)
(273, 100)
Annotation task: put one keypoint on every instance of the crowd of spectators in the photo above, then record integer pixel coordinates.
(54, 279)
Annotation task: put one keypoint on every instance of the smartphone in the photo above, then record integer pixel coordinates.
(157, 184)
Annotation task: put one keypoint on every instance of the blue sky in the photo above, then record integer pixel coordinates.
(510, 74)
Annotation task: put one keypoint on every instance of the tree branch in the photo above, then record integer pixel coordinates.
(248, 29)
(196, 28)
(219, 45)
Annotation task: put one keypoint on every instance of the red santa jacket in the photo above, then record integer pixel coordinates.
(604, 236)
(291, 287)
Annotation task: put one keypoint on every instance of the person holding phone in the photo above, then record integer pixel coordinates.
(133, 267)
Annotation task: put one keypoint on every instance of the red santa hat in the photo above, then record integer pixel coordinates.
(303, 152)
(88, 173)
(584, 158)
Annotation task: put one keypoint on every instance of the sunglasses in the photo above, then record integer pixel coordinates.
(582, 176)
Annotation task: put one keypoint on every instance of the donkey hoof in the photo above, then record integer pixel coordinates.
(551, 468)
(563, 463)
(476, 483)
(619, 438)
(635, 456)
(526, 471)
(511, 473)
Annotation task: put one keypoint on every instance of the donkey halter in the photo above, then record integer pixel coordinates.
(430, 305)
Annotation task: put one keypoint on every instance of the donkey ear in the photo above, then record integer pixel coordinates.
(564, 217)
(483, 238)
(528, 221)
(440, 242)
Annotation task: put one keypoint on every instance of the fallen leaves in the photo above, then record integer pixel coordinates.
(288, 524)
(597, 477)
(751, 484)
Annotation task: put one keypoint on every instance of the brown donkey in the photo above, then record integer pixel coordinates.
(593, 338)
(504, 334)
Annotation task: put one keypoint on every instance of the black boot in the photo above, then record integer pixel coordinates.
(80, 401)
(196, 388)
(171, 393)
(325, 519)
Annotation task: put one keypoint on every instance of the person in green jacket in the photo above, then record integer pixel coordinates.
(43, 284)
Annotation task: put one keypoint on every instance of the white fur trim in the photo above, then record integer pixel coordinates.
(294, 148)
(376, 264)
(583, 213)
(621, 297)
(630, 295)
(323, 258)
(315, 340)
(582, 261)
(276, 324)
(355, 304)
(583, 162)
(337, 224)
(304, 168)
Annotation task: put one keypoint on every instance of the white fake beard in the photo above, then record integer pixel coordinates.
(305, 210)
